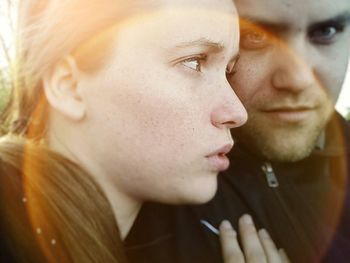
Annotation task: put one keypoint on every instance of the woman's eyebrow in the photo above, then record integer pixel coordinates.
(202, 42)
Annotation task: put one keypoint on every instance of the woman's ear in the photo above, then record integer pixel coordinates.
(62, 89)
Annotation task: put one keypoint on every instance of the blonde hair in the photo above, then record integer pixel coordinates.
(49, 30)
(63, 199)
(68, 213)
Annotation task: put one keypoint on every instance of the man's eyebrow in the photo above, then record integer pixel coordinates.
(217, 46)
(264, 24)
(340, 19)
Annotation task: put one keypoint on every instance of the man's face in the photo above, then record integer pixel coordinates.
(294, 56)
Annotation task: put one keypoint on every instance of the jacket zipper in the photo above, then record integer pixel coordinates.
(273, 183)
(270, 175)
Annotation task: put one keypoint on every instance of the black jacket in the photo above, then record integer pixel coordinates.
(307, 214)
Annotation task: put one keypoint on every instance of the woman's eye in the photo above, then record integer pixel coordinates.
(254, 39)
(193, 63)
(230, 72)
(231, 68)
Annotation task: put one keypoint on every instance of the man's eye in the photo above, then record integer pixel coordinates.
(324, 35)
(254, 39)
(193, 63)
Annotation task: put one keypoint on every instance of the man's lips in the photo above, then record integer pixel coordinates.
(218, 159)
(290, 113)
(287, 108)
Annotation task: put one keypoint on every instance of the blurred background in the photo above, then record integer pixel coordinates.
(8, 23)
(343, 105)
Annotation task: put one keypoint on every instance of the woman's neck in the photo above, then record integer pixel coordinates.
(124, 207)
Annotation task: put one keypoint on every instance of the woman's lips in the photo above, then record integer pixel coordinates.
(218, 159)
(219, 162)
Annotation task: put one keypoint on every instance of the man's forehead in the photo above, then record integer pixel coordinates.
(293, 13)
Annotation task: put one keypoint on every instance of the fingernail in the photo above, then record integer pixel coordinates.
(226, 225)
(247, 219)
(263, 233)
(283, 255)
(283, 252)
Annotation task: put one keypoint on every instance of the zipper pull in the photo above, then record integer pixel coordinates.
(270, 175)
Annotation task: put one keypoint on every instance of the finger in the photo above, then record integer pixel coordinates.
(252, 247)
(230, 248)
(269, 247)
(283, 255)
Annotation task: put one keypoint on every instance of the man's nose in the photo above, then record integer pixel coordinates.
(292, 73)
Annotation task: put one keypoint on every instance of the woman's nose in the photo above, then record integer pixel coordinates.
(229, 111)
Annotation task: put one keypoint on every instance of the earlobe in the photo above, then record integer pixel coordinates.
(62, 89)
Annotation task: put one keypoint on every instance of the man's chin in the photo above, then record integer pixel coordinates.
(282, 141)
(288, 151)
(280, 144)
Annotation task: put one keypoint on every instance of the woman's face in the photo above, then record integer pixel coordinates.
(159, 111)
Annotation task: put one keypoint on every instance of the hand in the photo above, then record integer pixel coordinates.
(258, 247)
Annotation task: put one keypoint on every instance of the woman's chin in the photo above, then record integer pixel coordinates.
(200, 194)
(204, 197)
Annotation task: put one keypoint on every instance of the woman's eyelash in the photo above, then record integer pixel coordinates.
(194, 63)
(232, 70)
(231, 73)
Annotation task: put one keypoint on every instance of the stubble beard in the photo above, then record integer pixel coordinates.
(281, 142)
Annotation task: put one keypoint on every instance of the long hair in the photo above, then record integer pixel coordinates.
(49, 200)
(55, 211)
(49, 30)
